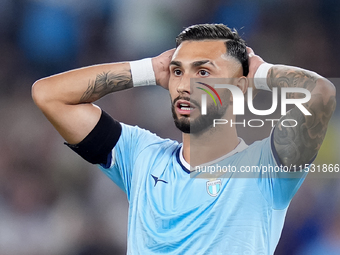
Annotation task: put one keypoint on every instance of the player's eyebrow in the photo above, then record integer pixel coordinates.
(193, 64)
(202, 62)
(176, 63)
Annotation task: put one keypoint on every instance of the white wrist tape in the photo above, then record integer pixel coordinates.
(142, 72)
(260, 77)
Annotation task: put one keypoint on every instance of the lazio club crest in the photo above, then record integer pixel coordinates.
(214, 187)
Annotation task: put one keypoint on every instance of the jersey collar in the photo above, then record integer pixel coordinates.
(186, 166)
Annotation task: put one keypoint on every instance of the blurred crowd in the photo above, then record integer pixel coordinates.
(54, 203)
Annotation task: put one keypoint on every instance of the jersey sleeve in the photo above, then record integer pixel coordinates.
(277, 183)
(121, 161)
(114, 147)
(95, 147)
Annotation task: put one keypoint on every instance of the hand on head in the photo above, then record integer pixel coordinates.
(254, 62)
(161, 68)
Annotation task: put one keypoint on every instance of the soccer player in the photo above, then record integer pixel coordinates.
(169, 212)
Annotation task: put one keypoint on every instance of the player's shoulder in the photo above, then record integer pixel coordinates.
(259, 149)
(139, 134)
(259, 145)
(146, 145)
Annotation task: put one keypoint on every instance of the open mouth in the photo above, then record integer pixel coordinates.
(184, 107)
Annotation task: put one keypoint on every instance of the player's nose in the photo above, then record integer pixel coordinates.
(184, 85)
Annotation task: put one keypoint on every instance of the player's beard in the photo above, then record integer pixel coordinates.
(200, 123)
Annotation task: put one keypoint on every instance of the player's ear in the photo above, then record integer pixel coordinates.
(242, 83)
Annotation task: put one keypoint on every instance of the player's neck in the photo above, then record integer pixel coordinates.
(210, 145)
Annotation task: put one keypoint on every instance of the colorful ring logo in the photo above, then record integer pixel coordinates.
(209, 93)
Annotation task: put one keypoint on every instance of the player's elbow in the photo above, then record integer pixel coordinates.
(40, 93)
(327, 88)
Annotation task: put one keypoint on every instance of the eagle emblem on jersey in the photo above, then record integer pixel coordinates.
(156, 179)
(214, 187)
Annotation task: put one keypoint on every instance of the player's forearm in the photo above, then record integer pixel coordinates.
(84, 85)
(322, 101)
(287, 76)
(297, 145)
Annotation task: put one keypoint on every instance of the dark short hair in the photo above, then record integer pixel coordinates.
(236, 46)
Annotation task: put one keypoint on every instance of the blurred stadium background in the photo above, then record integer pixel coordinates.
(54, 203)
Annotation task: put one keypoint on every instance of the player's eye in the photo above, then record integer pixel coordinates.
(204, 73)
(177, 72)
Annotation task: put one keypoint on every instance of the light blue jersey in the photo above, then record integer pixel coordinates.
(172, 213)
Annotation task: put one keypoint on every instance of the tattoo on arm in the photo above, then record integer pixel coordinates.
(298, 145)
(105, 83)
(285, 76)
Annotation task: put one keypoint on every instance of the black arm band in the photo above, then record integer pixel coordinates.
(97, 145)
